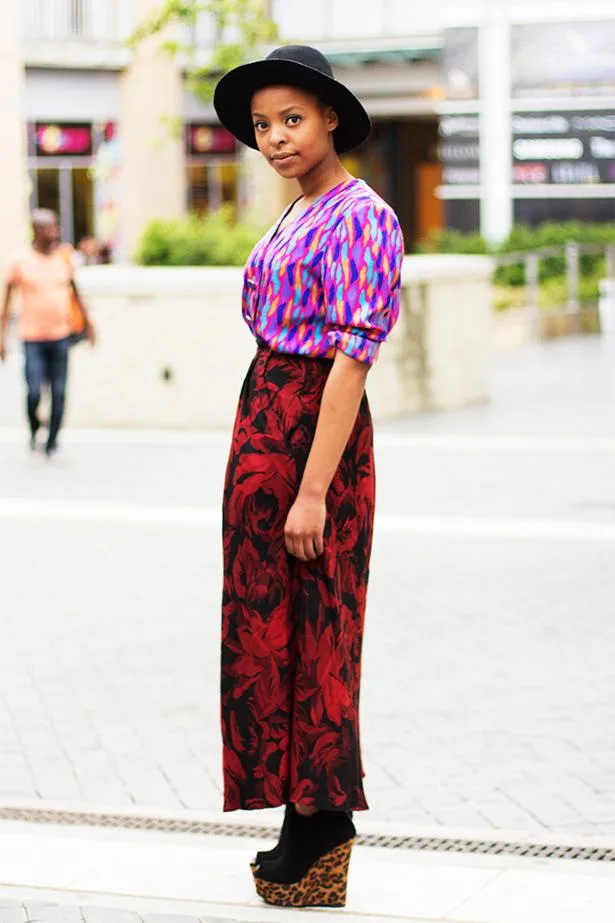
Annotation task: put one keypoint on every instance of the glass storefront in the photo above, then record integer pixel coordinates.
(562, 112)
(211, 185)
(62, 164)
(534, 212)
(401, 162)
(213, 168)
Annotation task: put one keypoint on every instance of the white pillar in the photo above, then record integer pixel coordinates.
(153, 161)
(496, 217)
(13, 176)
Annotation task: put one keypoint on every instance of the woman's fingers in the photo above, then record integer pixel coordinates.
(319, 544)
(305, 548)
(294, 546)
(304, 529)
(309, 550)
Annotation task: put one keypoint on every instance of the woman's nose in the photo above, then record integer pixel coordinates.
(277, 135)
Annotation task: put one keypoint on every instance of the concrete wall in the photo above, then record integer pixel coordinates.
(174, 350)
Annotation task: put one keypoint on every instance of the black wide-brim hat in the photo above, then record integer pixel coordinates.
(296, 66)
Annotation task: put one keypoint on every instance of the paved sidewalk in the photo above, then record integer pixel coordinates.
(555, 388)
(489, 690)
(49, 912)
(142, 877)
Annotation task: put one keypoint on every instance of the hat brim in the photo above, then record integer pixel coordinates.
(235, 90)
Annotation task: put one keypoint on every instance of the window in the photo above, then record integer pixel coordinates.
(212, 184)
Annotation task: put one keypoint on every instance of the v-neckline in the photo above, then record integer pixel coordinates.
(280, 226)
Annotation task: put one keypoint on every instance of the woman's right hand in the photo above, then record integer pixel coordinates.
(305, 527)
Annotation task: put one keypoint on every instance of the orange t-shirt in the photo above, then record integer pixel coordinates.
(44, 283)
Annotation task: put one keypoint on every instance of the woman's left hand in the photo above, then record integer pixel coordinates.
(305, 527)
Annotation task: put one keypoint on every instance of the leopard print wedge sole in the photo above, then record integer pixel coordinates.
(324, 885)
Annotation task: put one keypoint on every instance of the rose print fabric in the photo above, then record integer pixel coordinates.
(331, 280)
(292, 631)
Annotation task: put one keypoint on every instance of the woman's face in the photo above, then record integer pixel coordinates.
(293, 129)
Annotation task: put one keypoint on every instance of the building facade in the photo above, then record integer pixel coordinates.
(109, 136)
(528, 124)
(103, 147)
(485, 113)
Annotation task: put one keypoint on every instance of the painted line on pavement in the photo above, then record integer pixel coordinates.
(384, 439)
(494, 442)
(386, 523)
(178, 438)
(118, 513)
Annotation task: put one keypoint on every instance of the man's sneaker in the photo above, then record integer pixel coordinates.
(33, 435)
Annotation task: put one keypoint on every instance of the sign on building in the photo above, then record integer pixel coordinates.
(564, 148)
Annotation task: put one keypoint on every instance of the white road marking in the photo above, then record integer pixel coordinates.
(179, 438)
(386, 523)
(494, 442)
(383, 439)
(118, 513)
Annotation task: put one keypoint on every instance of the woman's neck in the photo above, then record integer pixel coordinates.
(322, 178)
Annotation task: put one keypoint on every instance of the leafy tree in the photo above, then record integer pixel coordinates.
(243, 27)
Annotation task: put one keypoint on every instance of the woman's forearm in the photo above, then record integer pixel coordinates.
(339, 407)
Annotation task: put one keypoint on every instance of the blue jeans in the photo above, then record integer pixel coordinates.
(47, 363)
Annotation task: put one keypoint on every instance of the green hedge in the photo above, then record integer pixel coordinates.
(555, 235)
(449, 241)
(522, 239)
(214, 240)
(551, 294)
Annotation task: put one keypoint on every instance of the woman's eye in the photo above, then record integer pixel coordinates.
(260, 125)
(294, 119)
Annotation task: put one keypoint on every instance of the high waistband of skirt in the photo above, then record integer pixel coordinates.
(263, 346)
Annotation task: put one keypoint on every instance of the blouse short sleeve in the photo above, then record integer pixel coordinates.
(362, 279)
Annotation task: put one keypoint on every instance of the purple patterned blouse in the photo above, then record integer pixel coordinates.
(330, 280)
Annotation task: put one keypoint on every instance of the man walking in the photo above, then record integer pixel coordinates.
(44, 277)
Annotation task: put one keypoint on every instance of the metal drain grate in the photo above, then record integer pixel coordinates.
(202, 828)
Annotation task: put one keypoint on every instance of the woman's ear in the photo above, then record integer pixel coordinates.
(332, 119)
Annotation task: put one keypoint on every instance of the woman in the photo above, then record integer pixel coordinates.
(321, 292)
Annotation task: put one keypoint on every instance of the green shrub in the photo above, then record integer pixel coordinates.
(449, 241)
(522, 239)
(554, 292)
(214, 240)
(589, 289)
(525, 239)
(506, 297)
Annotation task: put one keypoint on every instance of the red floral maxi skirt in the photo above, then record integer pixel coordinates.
(292, 631)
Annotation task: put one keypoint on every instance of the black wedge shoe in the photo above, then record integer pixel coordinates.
(270, 855)
(313, 871)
